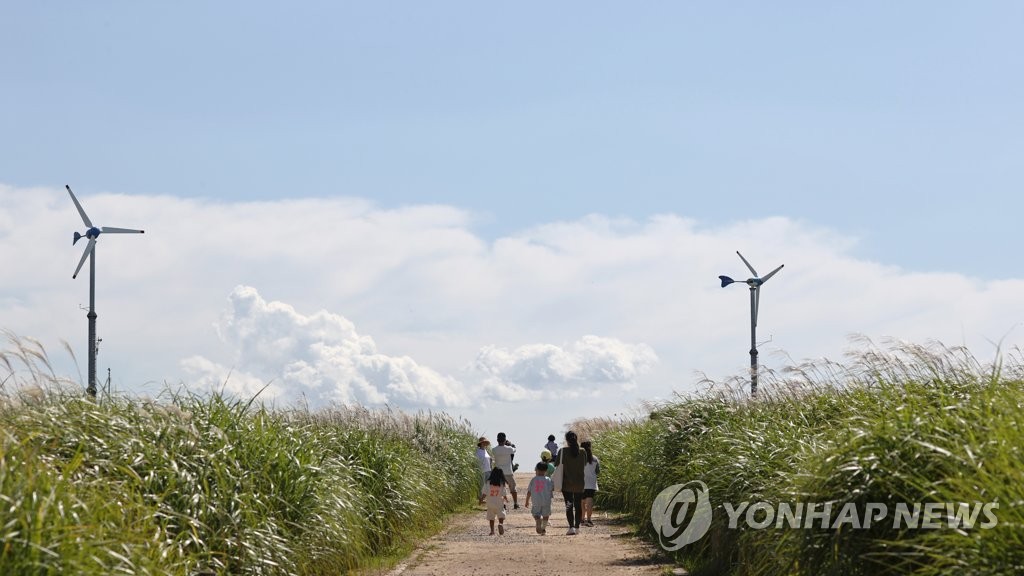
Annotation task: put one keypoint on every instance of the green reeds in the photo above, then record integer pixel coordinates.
(206, 484)
(902, 424)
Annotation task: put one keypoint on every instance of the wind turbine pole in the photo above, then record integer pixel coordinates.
(91, 388)
(753, 340)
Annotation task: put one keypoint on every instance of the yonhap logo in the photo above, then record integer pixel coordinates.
(681, 514)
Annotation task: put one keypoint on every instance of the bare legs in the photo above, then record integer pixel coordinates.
(588, 511)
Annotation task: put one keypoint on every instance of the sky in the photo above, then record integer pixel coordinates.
(515, 214)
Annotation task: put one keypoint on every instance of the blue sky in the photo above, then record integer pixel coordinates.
(879, 143)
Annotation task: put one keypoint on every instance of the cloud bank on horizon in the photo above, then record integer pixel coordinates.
(342, 301)
(325, 360)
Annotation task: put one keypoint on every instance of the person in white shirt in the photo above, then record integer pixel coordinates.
(484, 458)
(503, 454)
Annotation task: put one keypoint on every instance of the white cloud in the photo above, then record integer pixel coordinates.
(319, 358)
(585, 365)
(431, 297)
(205, 374)
(322, 359)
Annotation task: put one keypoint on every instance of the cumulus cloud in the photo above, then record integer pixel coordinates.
(320, 358)
(589, 363)
(205, 374)
(280, 353)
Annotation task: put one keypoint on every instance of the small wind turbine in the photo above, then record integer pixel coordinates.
(92, 233)
(755, 297)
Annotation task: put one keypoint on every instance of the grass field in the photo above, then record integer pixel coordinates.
(896, 424)
(190, 484)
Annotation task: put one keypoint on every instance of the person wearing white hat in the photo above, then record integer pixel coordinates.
(484, 458)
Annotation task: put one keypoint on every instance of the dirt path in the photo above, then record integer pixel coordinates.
(464, 548)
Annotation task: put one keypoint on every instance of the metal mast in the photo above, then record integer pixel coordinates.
(755, 283)
(92, 233)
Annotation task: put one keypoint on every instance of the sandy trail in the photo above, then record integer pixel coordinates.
(464, 548)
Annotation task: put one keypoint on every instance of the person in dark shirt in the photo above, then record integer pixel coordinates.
(573, 459)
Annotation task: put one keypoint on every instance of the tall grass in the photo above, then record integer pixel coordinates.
(192, 484)
(902, 423)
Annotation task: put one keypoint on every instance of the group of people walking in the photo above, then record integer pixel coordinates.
(571, 469)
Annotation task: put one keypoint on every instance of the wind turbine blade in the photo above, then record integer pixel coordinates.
(725, 280)
(751, 268)
(770, 274)
(113, 230)
(757, 303)
(88, 223)
(88, 250)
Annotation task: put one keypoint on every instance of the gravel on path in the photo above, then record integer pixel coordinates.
(464, 547)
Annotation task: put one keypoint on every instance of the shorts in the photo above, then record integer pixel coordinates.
(495, 512)
(510, 480)
(588, 493)
(539, 510)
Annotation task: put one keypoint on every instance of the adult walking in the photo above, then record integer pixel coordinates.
(503, 454)
(572, 459)
(590, 472)
(483, 457)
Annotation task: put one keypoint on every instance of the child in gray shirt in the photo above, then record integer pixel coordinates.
(541, 490)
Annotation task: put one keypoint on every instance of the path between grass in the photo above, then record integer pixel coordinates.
(464, 548)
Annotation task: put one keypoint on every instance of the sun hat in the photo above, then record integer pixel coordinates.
(482, 440)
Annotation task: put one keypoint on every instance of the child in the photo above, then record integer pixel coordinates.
(496, 500)
(545, 456)
(552, 446)
(541, 489)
